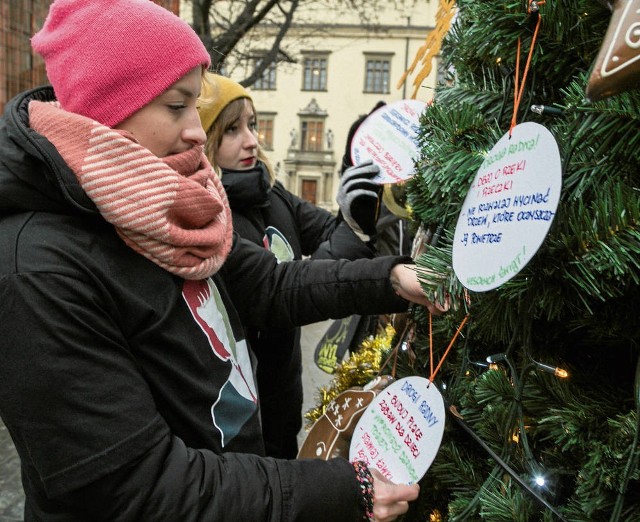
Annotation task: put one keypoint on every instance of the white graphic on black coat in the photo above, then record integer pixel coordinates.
(275, 242)
(237, 400)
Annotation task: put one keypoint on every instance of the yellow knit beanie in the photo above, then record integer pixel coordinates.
(217, 93)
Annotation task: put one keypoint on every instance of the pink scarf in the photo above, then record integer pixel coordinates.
(172, 210)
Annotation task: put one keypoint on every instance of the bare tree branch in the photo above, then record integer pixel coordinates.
(223, 28)
(272, 55)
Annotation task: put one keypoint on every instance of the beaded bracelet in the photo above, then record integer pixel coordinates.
(365, 481)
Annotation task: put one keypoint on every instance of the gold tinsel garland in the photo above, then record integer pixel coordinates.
(356, 370)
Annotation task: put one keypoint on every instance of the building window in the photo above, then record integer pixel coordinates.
(311, 135)
(264, 124)
(267, 82)
(377, 75)
(315, 74)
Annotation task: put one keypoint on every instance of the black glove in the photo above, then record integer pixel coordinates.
(359, 199)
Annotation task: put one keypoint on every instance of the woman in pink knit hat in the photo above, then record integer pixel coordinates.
(126, 382)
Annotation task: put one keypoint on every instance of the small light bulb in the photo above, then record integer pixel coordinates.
(540, 481)
(563, 374)
(558, 372)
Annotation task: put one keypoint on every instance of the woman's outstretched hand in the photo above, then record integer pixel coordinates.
(391, 500)
(404, 279)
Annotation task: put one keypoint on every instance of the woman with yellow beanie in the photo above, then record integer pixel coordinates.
(126, 381)
(267, 214)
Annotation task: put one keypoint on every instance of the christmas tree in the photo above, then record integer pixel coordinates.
(545, 373)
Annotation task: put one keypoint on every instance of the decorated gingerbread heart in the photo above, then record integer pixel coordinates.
(331, 434)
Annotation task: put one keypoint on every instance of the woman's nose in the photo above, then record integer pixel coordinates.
(251, 139)
(193, 132)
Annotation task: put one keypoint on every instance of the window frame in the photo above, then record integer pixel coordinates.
(311, 62)
(268, 80)
(307, 134)
(269, 118)
(377, 80)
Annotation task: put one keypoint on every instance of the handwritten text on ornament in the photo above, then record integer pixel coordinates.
(401, 430)
(508, 209)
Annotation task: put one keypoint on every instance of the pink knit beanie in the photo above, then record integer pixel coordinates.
(106, 59)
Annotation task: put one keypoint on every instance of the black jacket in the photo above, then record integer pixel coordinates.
(123, 406)
(289, 227)
(262, 212)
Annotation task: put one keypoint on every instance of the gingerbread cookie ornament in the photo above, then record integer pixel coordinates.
(331, 434)
(617, 67)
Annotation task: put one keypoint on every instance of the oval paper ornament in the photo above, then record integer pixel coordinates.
(388, 137)
(400, 432)
(509, 208)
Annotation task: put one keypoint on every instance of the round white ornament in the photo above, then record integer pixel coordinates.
(399, 434)
(388, 137)
(509, 208)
